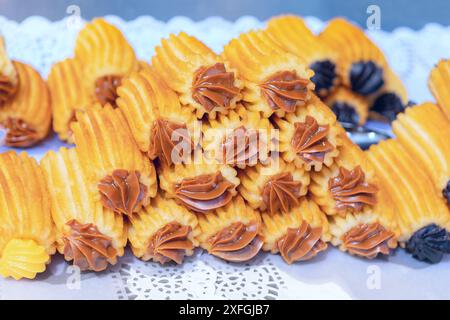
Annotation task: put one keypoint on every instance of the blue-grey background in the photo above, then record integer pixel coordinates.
(394, 13)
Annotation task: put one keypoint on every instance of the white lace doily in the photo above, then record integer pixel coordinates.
(332, 275)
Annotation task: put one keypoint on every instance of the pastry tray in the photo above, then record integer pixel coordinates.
(332, 275)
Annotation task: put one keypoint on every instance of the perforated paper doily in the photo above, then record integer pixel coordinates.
(331, 275)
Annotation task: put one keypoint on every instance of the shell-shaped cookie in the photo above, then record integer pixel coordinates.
(204, 81)
(350, 108)
(309, 137)
(276, 81)
(276, 186)
(201, 185)
(24, 214)
(349, 185)
(157, 120)
(438, 84)
(74, 208)
(293, 35)
(26, 116)
(68, 95)
(298, 235)
(240, 138)
(123, 176)
(361, 63)
(424, 132)
(106, 57)
(233, 232)
(164, 231)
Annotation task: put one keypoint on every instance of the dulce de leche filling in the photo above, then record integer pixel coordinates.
(237, 242)
(106, 89)
(281, 192)
(170, 243)
(240, 147)
(19, 134)
(205, 192)
(310, 140)
(301, 244)
(121, 191)
(350, 190)
(7, 89)
(88, 247)
(169, 141)
(213, 86)
(285, 90)
(367, 240)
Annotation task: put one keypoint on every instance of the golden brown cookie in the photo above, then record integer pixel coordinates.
(424, 132)
(162, 128)
(361, 64)
(293, 35)
(351, 109)
(119, 174)
(105, 57)
(298, 235)
(390, 100)
(349, 185)
(163, 231)
(68, 94)
(205, 82)
(240, 138)
(86, 233)
(232, 233)
(202, 185)
(309, 137)
(275, 187)
(27, 237)
(275, 81)
(422, 216)
(26, 115)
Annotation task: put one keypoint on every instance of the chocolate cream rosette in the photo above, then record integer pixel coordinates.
(309, 136)
(102, 58)
(25, 106)
(88, 234)
(438, 84)
(350, 108)
(240, 138)
(422, 216)
(233, 232)
(118, 173)
(298, 235)
(163, 231)
(201, 185)
(424, 132)
(276, 186)
(27, 238)
(292, 33)
(162, 128)
(361, 64)
(204, 81)
(275, 81)
(360, 211)
(390, 100)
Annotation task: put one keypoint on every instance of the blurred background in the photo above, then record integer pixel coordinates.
(394, 13)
